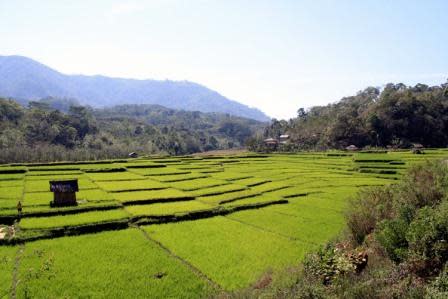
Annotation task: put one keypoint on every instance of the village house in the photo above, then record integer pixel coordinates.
(270, 141)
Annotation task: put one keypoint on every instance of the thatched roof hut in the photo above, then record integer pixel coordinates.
(64, 192)
(417, 146)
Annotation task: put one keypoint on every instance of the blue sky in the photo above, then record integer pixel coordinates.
(275, 55)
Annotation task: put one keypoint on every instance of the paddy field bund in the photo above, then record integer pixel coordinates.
(177, 226)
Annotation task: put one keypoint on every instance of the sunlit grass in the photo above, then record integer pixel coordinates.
(71, 220)
(131, 185)
(153, 195)
(197, 184)
(276, 207)
(7, 259)
(170, 208)
(230, 253)
(118, 264)
(114, 176)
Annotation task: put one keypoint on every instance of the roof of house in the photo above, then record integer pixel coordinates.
(351, 147)
(64, 186)
(270, 140)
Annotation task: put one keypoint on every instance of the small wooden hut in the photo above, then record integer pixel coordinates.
(64, 192)
(133, 155)
(271, 144)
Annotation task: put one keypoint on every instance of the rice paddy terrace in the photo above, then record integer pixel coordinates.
(177, 226)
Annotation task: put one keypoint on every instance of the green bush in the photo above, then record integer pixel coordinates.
(391, 235)
(320, 264)
(439, 287)
(366, 210)
(428, 234)
(424, 185)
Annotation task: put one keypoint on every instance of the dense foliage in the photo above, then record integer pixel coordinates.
(41, 132)
(396, 116)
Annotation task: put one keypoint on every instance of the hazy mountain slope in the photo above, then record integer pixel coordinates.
(21, 77)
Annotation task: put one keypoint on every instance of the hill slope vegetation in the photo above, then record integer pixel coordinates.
(43, 133)
(396, 116)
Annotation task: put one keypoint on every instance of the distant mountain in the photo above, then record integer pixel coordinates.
(24, 78)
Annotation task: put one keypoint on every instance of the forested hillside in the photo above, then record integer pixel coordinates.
(396, 116)
(40, 132)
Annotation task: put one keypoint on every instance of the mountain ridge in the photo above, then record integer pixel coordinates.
(22, 77)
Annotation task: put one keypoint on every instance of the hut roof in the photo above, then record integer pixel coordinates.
(351, 147)
(64, 186)
(270, 140)
(284, 136)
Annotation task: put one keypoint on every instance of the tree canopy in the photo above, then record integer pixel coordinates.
(112, 132)
(396, 115)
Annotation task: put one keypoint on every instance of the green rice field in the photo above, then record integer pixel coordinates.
(177, 227)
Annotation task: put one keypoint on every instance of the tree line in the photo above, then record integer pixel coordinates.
(394, 116)
(60, 129)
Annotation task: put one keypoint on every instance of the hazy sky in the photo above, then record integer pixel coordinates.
(275, 55)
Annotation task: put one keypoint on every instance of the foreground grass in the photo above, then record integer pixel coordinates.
(171, 208)
(235, 251)
(232, 254)
(7, 258)
(121, 264)
(152, 195)
(72, 220)
(313, 227)
(131, 185)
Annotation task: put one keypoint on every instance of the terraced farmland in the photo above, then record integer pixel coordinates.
(177, 227)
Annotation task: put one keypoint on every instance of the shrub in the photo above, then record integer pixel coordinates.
(391, 235)
(319, 266)
(424, 185)
(439, 287)
(428, 234)
(390, 211)
(409, 222)
(366, 210)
